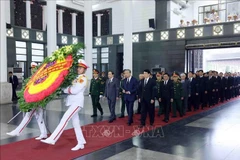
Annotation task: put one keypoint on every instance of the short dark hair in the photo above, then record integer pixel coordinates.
(147, 70)
(111, 72)
(190, 72)
(127, 70)
(201, 70)
(10, 72)
(166, 74)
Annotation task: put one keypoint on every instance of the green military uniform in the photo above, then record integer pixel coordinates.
(96, 89)
(122, 98)
(158, 92)
(177, 101)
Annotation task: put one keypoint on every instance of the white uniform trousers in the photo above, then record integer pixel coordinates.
(38, 113)
(71, 113)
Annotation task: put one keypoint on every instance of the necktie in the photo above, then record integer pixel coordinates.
(145, 82)
(165, 82)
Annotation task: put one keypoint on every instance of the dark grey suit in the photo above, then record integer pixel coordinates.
(112, 92)
(186, 90)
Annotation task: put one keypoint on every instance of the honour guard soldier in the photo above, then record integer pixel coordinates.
(38, 113)
(96, 92)
(177, 96)
(74, 101)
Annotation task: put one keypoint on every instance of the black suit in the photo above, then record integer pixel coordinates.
(203, 88)
(223, 88)
(139, 103)
(211, 90)
(146, 94)
(166, 95)
(14, 80)
(194, 98)
(112, 93)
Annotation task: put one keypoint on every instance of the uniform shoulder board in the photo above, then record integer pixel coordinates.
(100, 78)
(80, 80)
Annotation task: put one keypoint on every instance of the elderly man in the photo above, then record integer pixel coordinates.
(75, 101)
(38, 113)
(130, 86)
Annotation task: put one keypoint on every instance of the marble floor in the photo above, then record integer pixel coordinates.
(210, 135)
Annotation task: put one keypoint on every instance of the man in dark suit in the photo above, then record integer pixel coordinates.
(112, 94)
(166, 95)
(141, 77)
(202, 81)
(147, 98)
(186, 90)
(193, 99)
(223, 87)
(14, 80)
(211, 88)
(130, 86)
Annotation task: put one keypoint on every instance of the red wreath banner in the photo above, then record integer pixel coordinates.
(47, 79)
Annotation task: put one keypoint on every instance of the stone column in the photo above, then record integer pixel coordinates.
(28, 14)
(5, 87)
(127, 46)
(88, 37)
(44, 17)
(74, 15)
(60, 21)
(99, 24)
(51, 27)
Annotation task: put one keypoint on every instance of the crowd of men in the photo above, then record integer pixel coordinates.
(174, 93)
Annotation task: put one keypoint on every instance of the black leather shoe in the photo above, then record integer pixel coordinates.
(129, 124)
(101, 113)
(122, 116)
(110, 121)
(94, 115)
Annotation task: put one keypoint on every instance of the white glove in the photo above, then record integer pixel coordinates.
(89, 95)
(100, 96)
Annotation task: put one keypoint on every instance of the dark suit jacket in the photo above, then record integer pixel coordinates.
(186, 87)
(131, 87)
(194, 86)
(211, 83)
(166, 90)
(14, 81)
(112, 89)
(147, 92)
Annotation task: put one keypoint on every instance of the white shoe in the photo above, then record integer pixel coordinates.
(48, 141)
(13, 133)
(41, 137)
(77, 147)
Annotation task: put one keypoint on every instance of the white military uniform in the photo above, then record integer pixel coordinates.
(38, 113)
(74, 101)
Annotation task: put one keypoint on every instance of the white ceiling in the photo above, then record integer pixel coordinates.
(94, 2)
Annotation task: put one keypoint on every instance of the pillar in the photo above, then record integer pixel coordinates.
(51, 27)
(127, 46)
(60, 21)
(99, 24)
(88, 36)
(44, 17)
(28, 14)
(5, 87)
(162, 8)
(74, 25)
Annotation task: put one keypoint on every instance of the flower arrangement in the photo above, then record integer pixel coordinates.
(56, 72)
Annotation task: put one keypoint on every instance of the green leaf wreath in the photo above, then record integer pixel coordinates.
(59, 54)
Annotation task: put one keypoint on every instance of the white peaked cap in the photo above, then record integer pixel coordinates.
(82, 63)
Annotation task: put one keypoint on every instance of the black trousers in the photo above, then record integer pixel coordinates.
(111, 105)
(193, 100)
(147, 108)
(139, 108)
(96, 104)
(14, 94)
(166, 106)
(129, 105)
(211, 95)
